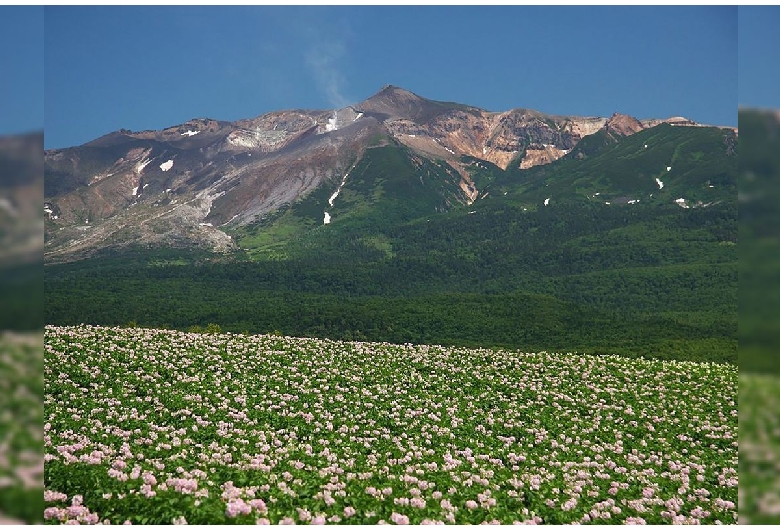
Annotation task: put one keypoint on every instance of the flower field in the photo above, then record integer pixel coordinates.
(154, 426)
(759, 420)
(21, 417)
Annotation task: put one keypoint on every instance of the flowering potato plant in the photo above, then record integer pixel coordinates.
(155, 426)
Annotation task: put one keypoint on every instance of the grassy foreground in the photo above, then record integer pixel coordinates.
(154, 426)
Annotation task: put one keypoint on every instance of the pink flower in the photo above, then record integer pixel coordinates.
(54, 496)
(447, 505)
(397, 518)
(725, 505)
(470, 504)
(349, 511)
(237, 507)
(569, 505)
(146, 489)
(417, 502)
(303, 514)
(258, 505)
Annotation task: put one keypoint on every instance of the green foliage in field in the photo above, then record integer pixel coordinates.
(21, 418)
(759, 444)
(153, 426)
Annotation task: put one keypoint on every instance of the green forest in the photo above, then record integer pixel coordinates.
(631, 280)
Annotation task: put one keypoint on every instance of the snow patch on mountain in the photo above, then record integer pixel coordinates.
(336, 193)
(660, 183)
(190, 133)
(444, 146)
(165, 166)
(141, 165)
(338, 190)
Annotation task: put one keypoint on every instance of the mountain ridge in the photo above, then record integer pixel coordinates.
(189, 183)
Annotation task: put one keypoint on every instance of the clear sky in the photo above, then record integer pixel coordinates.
(759, 56)
(21, 69)
(149, 67)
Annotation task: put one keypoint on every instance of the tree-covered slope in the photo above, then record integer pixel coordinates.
(658, 165)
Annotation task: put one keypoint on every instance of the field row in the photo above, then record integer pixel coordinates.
(153, 426)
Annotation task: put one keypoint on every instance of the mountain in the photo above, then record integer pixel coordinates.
(199, 184)
(402, 219)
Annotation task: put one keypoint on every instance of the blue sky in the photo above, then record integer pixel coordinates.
(21, 68)
(759, 56)
(149, 67)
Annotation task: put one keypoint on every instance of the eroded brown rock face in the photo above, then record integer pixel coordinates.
(184, 184)
(623, 125)
(448, 130)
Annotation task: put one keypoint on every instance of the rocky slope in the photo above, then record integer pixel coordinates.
(187, 184)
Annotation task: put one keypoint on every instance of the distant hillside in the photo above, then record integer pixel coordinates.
(191, 185)
(386, 221)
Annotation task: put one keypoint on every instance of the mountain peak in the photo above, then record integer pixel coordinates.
(396, 90)
(394, 102)
(623, 124)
